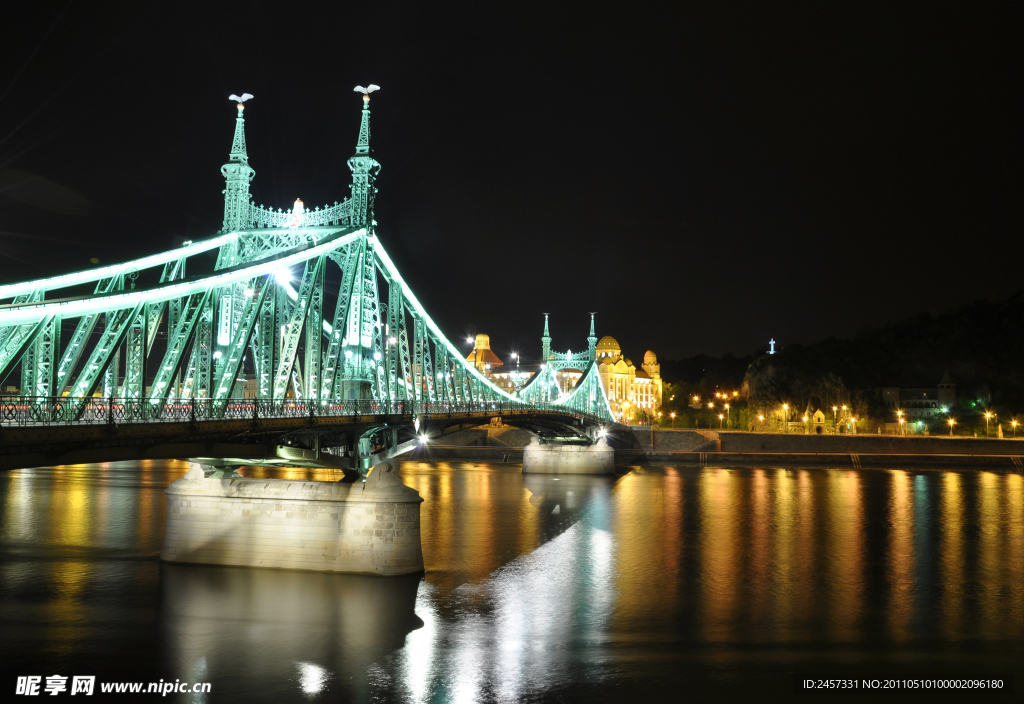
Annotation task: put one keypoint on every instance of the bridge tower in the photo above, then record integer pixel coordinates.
(592, 340)
(545, 342)
(364, 172)
(237, 175)
(361, 349)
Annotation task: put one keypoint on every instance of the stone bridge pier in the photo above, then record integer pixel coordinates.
(568, 456)
(354, 526)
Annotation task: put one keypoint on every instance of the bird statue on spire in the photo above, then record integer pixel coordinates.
(240, 99)
(366, 91)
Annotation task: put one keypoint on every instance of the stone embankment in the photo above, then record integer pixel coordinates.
(727, 447)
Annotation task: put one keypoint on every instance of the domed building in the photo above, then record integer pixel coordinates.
(481, 355)
(627, 386)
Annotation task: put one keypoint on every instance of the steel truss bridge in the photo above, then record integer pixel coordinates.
(345, 389)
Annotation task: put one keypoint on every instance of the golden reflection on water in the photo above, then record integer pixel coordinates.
(900, 555)
(720, 551)
(806, 572)
(951, 560)
(782, 584)
(638, 588)
(530, 575)
(991, 563)
(1013, 497)
(845, 553)
(673, 538)
(761, 533)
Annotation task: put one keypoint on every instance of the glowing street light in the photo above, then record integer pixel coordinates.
(835, 420)
(951, 422)
(674, 420)
(785, 417)
(1013, 423)
(987, 417)
(720, 420)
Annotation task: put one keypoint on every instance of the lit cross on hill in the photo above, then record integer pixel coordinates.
(772, 350)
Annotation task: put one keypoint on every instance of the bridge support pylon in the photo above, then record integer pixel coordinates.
(354, 526)
(568, 456)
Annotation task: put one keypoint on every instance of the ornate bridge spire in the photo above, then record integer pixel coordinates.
(545, 343)
(592, 340)
(237, 174)
(364, 167)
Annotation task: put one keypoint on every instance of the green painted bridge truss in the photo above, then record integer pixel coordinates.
(308, 300)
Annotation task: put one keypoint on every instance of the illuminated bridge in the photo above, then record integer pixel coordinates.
(344, 389)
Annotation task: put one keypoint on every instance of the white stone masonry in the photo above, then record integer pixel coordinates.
(370, 527)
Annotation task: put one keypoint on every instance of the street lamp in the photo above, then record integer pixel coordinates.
(785, 417)
(987, 416)
(760, 423)
(674, 420)
(899, 417)
(720, 417)
(951, 424)
(835, 420)
(1014, 424)
(727, 412)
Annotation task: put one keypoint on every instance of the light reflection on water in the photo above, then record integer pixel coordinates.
(661, 580)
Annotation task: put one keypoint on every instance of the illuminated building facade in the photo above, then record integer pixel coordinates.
(627, 385)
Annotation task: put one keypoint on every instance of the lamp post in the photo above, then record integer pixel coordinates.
(785, 418)
(835, 420)
(760, 423)
(727, 414)
(951, 424)
(1013, 423)
(720, 420)
(899, 418)
(987, 416)
(673, 415)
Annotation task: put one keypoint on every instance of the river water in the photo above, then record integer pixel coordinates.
(661, 584)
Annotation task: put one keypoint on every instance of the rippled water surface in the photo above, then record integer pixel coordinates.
(660, 584)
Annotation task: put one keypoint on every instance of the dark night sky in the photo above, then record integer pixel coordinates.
(705, 177)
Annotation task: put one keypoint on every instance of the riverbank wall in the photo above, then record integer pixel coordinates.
(357, 527)
(710, 447)
(820, 459)
(741, 442)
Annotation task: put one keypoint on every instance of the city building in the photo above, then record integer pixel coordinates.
(922, 403)
(482, 357)
(629, 388)
(627, 385)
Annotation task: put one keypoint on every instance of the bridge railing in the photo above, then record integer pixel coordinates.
(45, 410)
